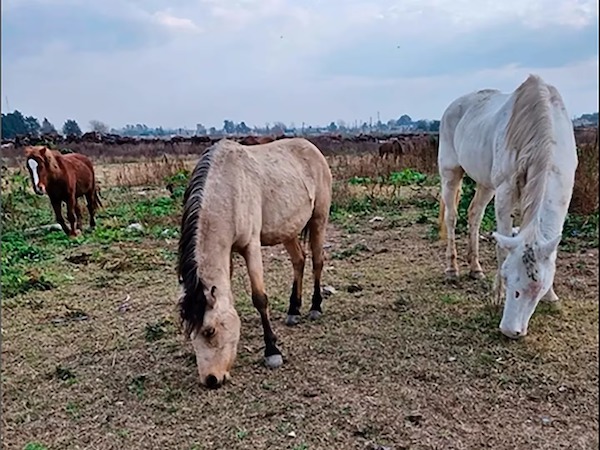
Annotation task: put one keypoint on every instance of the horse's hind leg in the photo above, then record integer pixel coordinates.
(298, 259)
(317, 229)
(451, 181)
(89, 198)
(477, 207)
(253, 257)
(57, 206)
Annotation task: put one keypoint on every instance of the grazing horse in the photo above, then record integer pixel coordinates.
(520, 147)
(238, 199)
(256, 140)
(64, 178)
(392, 147)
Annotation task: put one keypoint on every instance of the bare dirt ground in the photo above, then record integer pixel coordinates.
(400, 359)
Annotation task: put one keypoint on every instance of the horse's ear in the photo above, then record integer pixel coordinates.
(506, 242)
(547, 247)
(43, 153)
(211, 297)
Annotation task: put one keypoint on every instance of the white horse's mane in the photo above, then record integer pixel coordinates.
(529, 135)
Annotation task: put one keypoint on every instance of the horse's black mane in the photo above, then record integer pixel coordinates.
(192, 305)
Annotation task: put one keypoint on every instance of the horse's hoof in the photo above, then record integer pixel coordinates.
(476, 274)
(292, 320)
(550, 297)
(273, 361)
(451, 274)
(314, 314)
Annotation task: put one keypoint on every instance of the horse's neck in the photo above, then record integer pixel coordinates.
(56, 167)
(551, 209)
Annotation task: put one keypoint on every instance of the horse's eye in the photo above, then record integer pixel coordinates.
(208, 332)
(517, 294)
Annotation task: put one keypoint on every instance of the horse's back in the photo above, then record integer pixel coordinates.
(277, 187)
(81, 167)
(469, 130)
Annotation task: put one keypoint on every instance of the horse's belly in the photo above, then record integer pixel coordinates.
(282, 222)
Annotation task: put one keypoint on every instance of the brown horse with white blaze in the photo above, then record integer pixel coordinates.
(64, 178)
(238, 199)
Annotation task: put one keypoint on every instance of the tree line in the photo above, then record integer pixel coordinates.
(15, 124)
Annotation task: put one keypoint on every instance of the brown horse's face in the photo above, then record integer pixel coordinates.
(37, 164)
(216, 342)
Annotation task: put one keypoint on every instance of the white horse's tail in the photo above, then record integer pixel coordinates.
(529, 134)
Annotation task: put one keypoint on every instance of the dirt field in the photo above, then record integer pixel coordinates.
(400, 359)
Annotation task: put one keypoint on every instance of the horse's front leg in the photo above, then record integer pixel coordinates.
(57, 207)
(71, 205)
(253, 257)
(477, 207)
(504, 222)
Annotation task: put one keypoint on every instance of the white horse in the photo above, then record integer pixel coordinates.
(519, 147)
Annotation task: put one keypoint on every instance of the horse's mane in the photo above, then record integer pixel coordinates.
(529, 134)
(192, 304)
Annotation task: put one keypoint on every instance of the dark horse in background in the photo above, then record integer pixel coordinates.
(64, 178)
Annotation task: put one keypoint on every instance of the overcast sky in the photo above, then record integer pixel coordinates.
(181, 62)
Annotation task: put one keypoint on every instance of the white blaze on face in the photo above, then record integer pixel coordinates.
(33, 168)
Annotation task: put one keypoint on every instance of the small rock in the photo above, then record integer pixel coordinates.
(577, 284)
(374, 446)
(546, 421)
(562, 388)
(354, 288)
(328, 290)
(415, 418)
(327, 245)
(376, 219)
(452, 359)
(357, 274)
(135, 227)
(291, 434)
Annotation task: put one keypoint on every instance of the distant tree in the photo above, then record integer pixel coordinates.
(434, 126)
(13, 124)
(200, 129)
(422, 125)
(212, 131)
(404, 120)
(47, 127)
(71, 128)
(278, 128)
(228, 126)
(242, 128)
(32, 125)
(332, 127)
(99, 126)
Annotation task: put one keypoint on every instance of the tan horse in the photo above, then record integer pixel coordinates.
(238, 199)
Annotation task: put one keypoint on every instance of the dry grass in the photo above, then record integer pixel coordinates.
(402, 359)
(585, 190)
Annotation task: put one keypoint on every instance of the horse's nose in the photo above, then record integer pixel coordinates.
(513, 334)
(213, 382)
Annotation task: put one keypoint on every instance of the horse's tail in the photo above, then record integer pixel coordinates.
(305, 233)
(97, 202)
